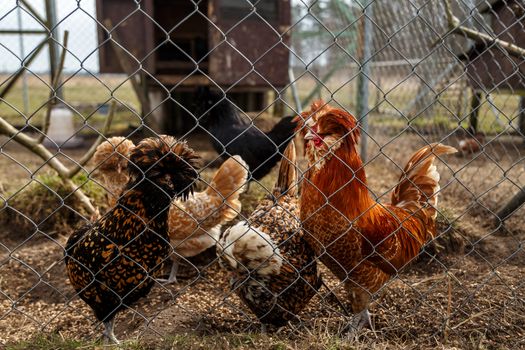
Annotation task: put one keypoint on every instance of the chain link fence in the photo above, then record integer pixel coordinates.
(228, 76)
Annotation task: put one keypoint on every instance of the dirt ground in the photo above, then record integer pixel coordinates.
(466, 292)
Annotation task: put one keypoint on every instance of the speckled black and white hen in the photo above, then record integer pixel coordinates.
(113, 262)
(274, 271)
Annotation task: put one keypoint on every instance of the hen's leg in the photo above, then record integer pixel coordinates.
(173, 273)
(109, 336)
(365, 280)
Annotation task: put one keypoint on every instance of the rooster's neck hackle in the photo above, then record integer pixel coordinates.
(343, 181)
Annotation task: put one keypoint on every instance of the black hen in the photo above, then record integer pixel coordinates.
(232, 135)
(113, 262)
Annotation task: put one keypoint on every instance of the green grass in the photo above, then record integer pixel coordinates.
(50, 342)
(84, 93)
(49, 181)
(46, 200)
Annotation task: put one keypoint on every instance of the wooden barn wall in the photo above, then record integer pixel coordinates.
(254, 53)
(134, 32)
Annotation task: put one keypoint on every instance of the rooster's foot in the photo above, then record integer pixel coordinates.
(358, 322)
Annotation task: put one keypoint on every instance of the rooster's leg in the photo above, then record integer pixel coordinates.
(109, 336)
(362, 283)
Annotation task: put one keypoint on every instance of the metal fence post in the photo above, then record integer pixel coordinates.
(25, 95)
(363, 92)
(51, 14)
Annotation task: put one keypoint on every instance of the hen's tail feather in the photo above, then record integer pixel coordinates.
(418, 186)
(228, 184)
(287, 178)
(243, 248)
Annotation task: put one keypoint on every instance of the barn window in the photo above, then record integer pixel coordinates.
(235, 10)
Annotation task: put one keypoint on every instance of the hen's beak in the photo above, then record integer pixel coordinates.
(309, 135)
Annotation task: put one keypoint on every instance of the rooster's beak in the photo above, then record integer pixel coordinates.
(309, 135)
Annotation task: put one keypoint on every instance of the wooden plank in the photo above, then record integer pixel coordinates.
(253, 52)
(182, 80)
(130, 22)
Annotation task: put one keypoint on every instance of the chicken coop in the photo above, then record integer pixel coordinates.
(182, 45)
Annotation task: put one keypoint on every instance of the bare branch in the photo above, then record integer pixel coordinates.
(77, 192)
(54, 87)
(50, 159)
(33, 145)
(455, 26)
(509, 208)
(89, 154)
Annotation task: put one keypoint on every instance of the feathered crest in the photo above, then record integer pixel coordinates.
(156, 156)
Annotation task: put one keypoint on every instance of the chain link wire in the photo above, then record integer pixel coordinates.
(424, 82)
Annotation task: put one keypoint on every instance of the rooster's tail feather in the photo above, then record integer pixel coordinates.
(418, 186)
(287, 179)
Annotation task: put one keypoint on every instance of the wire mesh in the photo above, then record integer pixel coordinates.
(244, 248)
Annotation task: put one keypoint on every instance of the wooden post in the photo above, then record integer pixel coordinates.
(158, 119)
(521, 116)
(474, 110)
(278, 104)
(51, 16)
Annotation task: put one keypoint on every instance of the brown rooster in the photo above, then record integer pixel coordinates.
(361, 241)
(194, 224)
(274, 270)
(112, 262)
